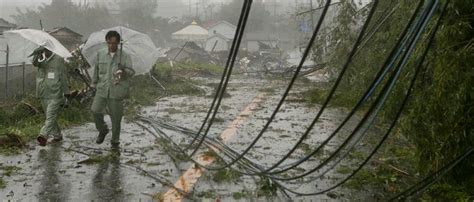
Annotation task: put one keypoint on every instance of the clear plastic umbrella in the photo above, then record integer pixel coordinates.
(23, 42)
(138, 45)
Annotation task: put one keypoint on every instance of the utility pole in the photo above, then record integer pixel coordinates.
(275, 4)
(312, 16)
(210, 8)
(197, 9)
(189, 4)
(274, 7)
(6, 72)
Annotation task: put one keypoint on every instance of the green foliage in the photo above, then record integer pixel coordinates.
(3, 184)
(175, 84)
(9, 170)
(166, 72)
(207, 194)
(319, 94)
(242, 194)
(438, 120)
(266, 187)
(446, 192)
(344, 170)
(341, 37)
(226, 175)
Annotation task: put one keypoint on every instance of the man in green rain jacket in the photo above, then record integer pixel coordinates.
(51, 88)
(111, 80)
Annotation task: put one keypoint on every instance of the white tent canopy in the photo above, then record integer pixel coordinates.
(192, 32)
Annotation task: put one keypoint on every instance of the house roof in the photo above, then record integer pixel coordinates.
(191, 32)
(220, 36)
(4, 23)
(208, 24)
(222, 22)
(57, 29)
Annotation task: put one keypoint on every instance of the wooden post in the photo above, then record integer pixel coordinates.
(23, 85)
(6, 73)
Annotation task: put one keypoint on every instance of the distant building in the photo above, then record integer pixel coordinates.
(221, 34)
(255, 41)
(5, 26)
(223, 28)
(217, 42)
(192, 32)
(70, 39)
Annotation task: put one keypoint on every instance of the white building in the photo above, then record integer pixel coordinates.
(223, 28)
(217, 42)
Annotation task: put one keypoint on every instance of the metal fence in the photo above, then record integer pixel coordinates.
(16, 80)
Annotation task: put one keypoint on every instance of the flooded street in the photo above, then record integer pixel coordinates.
(145, 169)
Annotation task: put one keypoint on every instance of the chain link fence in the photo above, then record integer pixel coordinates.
(16, 81)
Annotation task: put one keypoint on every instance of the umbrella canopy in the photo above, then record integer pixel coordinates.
(138, 45)
(23, 42)
(192, 32)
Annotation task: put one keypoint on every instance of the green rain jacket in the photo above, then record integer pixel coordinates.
(51, 79)
(104, 69)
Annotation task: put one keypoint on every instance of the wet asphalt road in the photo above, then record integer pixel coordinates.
(67, 171)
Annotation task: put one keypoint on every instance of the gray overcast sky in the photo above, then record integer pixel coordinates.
(166, 8)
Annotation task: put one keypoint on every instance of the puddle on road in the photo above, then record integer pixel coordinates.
(59, 172)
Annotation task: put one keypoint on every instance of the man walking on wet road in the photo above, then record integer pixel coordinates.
(51, 88)
(111, 80)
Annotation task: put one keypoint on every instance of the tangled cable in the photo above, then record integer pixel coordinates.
(392, 67)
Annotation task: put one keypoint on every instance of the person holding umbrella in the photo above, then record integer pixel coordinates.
(111, 73)
(51, 78)
(51, 88)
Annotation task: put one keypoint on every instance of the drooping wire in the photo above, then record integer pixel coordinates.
(385, 135)
(421, 186)
(387, 88)
(306, 53)
(229, 73)
(232, 53)
(329, 97)
(398, 114)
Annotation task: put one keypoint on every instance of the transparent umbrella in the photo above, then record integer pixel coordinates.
(23, 42)
(138, 45)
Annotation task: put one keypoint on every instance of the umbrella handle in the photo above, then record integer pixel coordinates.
(120, 57)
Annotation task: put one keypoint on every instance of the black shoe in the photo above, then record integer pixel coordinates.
(101, 136)
(42, 140)
(115, 149)
(115, 145)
